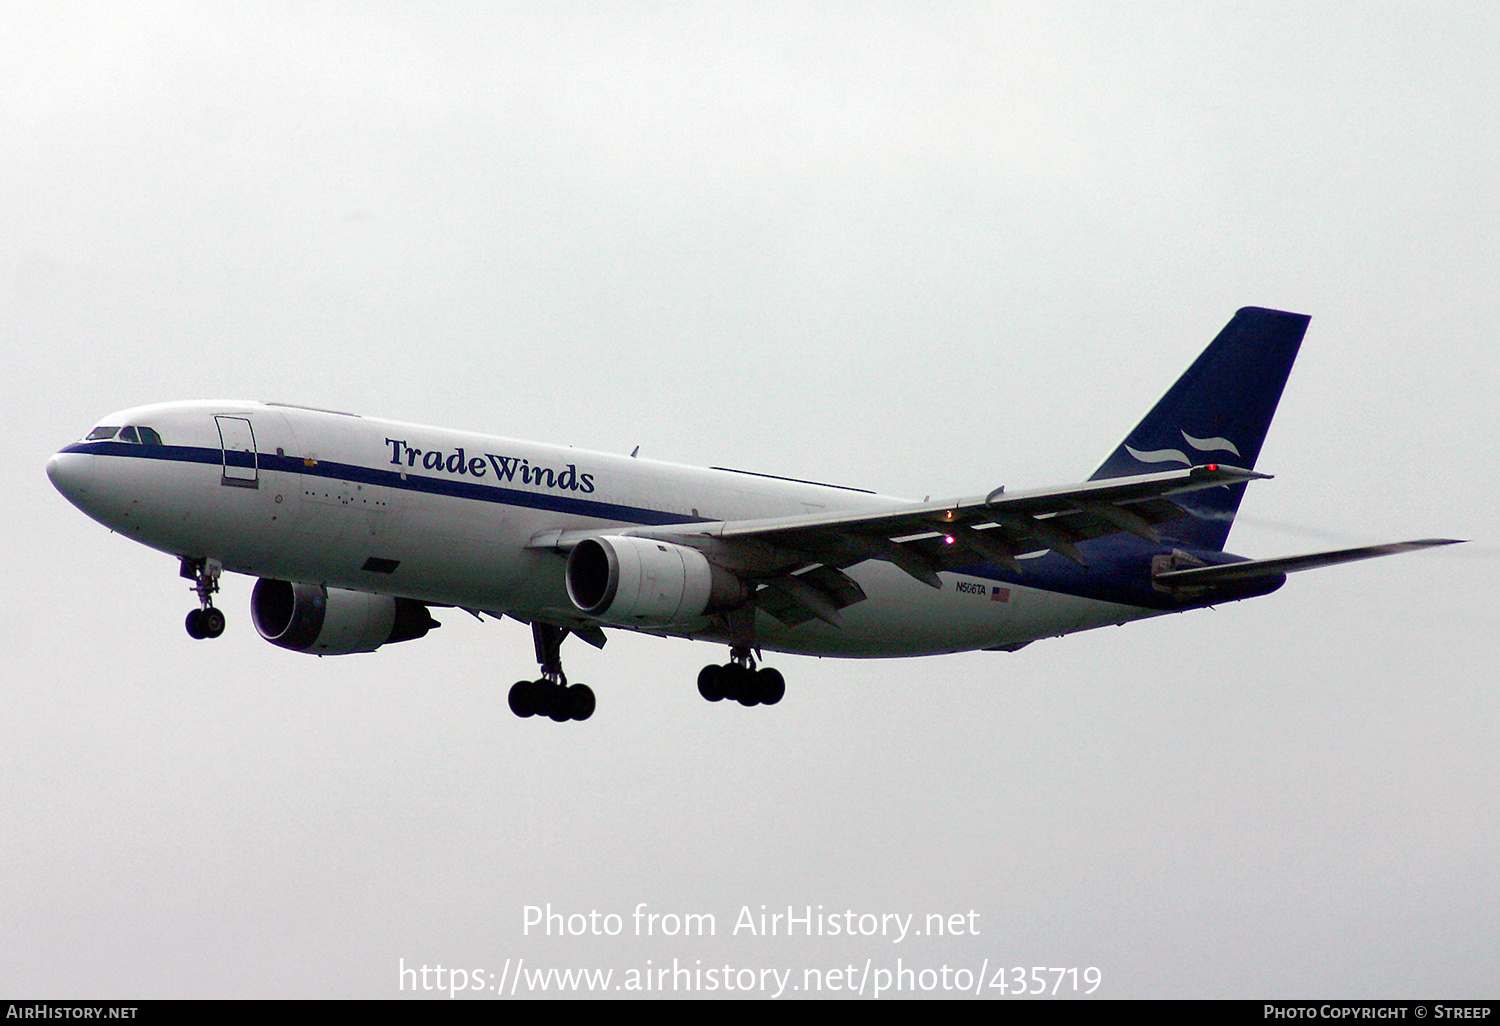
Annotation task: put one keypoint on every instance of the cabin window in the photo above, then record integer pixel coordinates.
(99, 434)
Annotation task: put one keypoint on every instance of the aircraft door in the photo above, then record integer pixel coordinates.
(241, 466)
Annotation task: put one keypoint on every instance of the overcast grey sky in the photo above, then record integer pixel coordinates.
(917, 248)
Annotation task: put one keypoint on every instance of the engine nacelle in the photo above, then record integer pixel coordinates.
(637, 581)
(333, 621)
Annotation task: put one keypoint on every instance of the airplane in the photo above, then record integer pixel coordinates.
(358, 528)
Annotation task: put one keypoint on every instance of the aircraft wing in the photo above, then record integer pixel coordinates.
(926, 537)
(798, 560)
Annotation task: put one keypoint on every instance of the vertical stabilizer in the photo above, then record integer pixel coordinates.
(1217, 412)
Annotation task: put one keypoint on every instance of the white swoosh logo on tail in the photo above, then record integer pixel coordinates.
(1209, 444)
(1215, 444)
(1160, 456)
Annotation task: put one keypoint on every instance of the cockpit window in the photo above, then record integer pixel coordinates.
(139, 435)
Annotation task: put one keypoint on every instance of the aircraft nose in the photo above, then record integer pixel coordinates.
(71, 473)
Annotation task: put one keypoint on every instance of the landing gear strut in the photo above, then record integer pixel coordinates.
(205, 621)
(551, 694)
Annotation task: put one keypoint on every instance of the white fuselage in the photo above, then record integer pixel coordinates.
(446, 517)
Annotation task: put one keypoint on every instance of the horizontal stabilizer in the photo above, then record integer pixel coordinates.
(1204, 576)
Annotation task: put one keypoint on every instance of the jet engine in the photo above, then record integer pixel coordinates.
(333, 621)
(637, 581)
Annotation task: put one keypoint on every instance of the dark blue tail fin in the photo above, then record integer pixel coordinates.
(1218, 412)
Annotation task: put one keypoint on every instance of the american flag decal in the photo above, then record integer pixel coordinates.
(998, 594)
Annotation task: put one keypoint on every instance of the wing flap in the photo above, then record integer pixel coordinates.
(820, 592)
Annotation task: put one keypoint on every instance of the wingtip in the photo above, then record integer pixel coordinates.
(1226, 469)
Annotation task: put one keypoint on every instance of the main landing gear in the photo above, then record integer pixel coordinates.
(207, 621)
(551, 695)
(740, 681)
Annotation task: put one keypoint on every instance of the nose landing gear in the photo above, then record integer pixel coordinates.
(207, 621)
